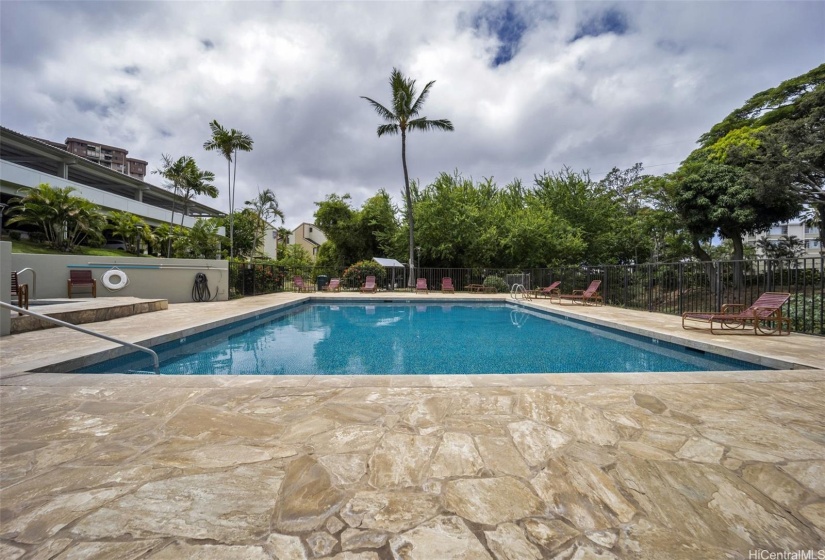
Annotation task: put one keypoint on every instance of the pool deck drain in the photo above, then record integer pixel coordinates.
(665, 465)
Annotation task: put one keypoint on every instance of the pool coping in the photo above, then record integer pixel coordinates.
(83, 358)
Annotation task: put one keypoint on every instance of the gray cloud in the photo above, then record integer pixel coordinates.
(640, 82)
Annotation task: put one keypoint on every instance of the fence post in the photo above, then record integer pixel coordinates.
(681, 299)
(717, 282)
(649, 288)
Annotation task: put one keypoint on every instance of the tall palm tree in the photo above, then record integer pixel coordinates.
(176, 172)
(228, 143)
(266, 208)
(401, 118)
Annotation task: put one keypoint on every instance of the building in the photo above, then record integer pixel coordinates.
(308, 236)
(808, 235)
(27, 162)
(107, 156)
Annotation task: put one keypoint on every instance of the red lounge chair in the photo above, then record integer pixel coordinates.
(81, 279)
(551, 290)
(369, 285)
(333, 286)
(765, 316)
(447, 286)
(21, 291)
(421, 285)
(299, 286)
(590, 295)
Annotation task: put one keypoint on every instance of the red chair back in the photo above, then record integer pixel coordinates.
(592, 288)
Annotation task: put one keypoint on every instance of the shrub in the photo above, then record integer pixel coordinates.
(357, 273)
(15, 235)
(806, 314)
(496, 282)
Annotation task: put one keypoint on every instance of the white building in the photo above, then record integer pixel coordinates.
(808, 235)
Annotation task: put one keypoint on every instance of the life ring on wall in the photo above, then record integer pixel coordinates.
(115, 279)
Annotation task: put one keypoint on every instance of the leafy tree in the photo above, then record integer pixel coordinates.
(196, 182)
(199, 242)
(130, 229)
(266, 208)
(65, 220)
(786, 247)
(164, 237)
(338, 220)
(245, 223)
(174, 171)
(295, 257)
(229, 143)
(403, 117)
(356, 274)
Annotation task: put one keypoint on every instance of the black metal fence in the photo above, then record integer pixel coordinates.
(672, 288)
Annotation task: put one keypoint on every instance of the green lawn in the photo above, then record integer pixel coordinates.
(37, 248)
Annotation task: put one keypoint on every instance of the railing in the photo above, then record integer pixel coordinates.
(42, 317)
(33, 294)
(672, 288)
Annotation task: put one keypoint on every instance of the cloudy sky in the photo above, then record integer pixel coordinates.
(529, 86)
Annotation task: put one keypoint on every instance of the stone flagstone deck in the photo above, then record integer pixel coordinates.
(594, 466)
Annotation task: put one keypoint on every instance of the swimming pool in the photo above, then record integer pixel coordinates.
(415, 338)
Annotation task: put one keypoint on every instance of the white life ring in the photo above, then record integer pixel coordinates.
(120, 279)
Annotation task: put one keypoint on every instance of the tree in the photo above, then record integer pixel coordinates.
(196, 183)
(228, 143)
(65, 220)
(174, 171)
(199, 242)
(401, 118)
(130, 229)
(266, 208)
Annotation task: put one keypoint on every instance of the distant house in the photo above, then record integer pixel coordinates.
(308, 236)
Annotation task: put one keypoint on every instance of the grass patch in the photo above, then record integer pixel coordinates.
(22, 246)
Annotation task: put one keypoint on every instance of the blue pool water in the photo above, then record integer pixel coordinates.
(423, 338)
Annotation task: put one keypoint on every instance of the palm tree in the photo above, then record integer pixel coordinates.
(228, 143)
(130, 229)
(66, 220)
(176, 172)
(403, 117)
(266, 208)
(196, 182)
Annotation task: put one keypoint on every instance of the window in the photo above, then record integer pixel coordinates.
(314, 251)
(812, 244)
(310, 229)
(811, 230)
(779, 230)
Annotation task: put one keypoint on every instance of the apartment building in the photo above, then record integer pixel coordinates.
(808, 235)
(108, 156)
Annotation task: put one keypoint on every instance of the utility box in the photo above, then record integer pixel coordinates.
(322, 281)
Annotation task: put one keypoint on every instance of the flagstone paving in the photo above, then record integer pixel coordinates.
(708, 465)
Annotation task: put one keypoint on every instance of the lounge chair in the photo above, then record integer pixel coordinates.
(369, 285)
(333, 286)
(21, 291)
(765, 316)
(588, 296)
(549, 291)
(298, 285)
(421, 285)
(447, 286)
(81, 279)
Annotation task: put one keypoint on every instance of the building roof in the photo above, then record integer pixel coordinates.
(388, 263)
(43, 155)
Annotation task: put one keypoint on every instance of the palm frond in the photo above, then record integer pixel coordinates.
(382, 111)
(388, 129)
(416, 107)
(423, 124)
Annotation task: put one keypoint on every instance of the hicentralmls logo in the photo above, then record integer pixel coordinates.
(761, 554)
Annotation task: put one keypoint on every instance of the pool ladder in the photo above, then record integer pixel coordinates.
(519, 289)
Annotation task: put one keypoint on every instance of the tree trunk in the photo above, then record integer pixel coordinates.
(411, 279)
(820, 209)
(707, 263)
(171, 223)
(738, 255)
(231, 213)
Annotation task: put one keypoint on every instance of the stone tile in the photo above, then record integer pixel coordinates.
(285, 547)
(354, 438)
(536, 442)
(348, 555)
(491, 501)
(307, 496)
(352, 539)
(11, 552)
(810, 474)
(345, 468)
(644, 451)
(401, 460)
(390, 511)
(508, 542)
(321, 543)
(334, 525)
(445, 538)
(208, 552)
(815, 513)
(775, 484)
(586, 423)
(501, 457)
(549, 534)
(456, 456)
(701, 450)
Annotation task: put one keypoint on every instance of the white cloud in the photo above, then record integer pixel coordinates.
(290, 75)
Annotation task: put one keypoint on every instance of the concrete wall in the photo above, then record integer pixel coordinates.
(170, 279)
(5, 286)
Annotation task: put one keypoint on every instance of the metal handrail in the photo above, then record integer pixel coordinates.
(86, 331)
(519, 289)
(33, 294)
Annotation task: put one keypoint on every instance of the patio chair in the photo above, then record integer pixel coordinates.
(421, 285)
(551, 290)
(447, 285)
(298, 285)
(81, 279)
(19, 290)
(369, 285)
(764, 316)
(333, 286)
(588, 296)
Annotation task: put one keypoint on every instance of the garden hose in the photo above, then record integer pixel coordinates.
(200, 290)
